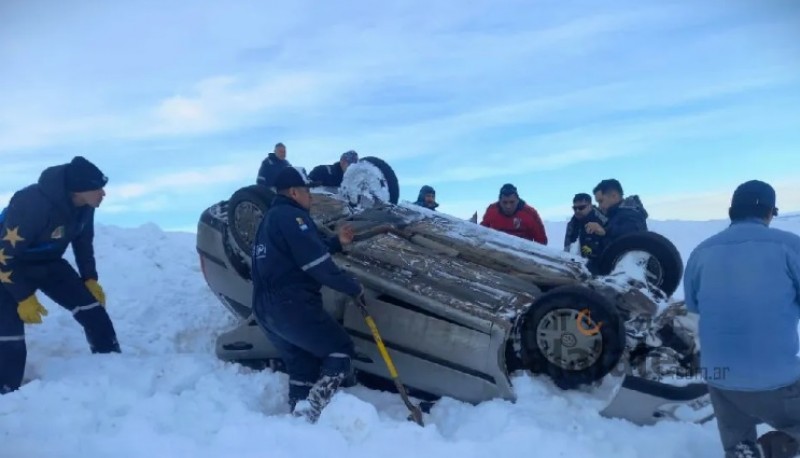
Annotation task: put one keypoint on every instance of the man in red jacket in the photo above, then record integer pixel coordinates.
(512, 215)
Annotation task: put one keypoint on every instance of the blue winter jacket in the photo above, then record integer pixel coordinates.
(269, 169)
(38, 225)
(745, 284)
(292, 261)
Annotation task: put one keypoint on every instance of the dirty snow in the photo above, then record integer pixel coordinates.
(167, 395)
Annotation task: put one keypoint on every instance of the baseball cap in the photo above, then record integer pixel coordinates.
(351, 157)
(292, 177)
(754, 194)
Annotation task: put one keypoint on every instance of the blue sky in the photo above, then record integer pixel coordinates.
(178, 102)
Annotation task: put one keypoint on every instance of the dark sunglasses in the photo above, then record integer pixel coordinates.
(774, 212)
(579, 207)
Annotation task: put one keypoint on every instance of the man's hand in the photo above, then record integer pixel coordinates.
(346, 234)
(96, 290)
(31, 311)
(595, 228)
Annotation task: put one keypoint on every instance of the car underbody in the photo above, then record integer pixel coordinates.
(462, 307)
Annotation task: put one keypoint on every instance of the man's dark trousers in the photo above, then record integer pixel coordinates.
(61, 283)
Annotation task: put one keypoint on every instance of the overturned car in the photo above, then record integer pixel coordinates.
(461, 307)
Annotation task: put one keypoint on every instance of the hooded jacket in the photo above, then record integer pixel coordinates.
(38, 225)
(423, 191)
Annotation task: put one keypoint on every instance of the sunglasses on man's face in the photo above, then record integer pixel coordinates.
(578, 208)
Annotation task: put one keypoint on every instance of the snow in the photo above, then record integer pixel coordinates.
(167, 394)
(363, 182)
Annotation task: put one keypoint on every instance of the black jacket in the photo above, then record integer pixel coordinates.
(269, 169)
(576, 230)
(624, 218)
(38, 225)
(327, 175)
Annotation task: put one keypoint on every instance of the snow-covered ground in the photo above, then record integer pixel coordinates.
(167, 395)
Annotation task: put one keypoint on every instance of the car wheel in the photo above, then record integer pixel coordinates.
(572, 334)
(246, 208)
(658, 255)
(373, 177)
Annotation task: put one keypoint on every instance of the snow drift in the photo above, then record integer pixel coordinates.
(167, 394)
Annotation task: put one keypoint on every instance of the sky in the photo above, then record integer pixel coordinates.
(179, 102)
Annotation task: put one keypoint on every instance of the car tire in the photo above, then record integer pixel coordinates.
(388, 173)
(246, 208)
(667, 268)
(572, 334)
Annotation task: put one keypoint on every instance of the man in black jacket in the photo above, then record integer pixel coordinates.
(583, 212)
(332, 174)
(272, 165)
(38, 225)
(625, 215)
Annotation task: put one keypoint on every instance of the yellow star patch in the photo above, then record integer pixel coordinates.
(5, 277)
(3, 258)
(12, 236)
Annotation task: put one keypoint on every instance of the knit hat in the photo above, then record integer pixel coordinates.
(81, 175)
(292, 177)
(351, 157)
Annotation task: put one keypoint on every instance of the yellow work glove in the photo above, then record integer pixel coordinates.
(96, 290)
(586, 250)
(31, 311)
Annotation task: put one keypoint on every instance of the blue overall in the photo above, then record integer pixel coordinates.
(38, 225)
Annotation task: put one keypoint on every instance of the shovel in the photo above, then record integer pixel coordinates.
(416, 412)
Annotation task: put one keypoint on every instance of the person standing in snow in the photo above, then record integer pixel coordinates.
(427, 198)
(291, 262)
(512, 215)
(271, 165)
(41, 220)
(583, 213)
(624, 215)
(332, 175)
(744, 283)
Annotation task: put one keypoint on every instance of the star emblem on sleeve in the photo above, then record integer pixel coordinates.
(5, 277)
(3, 257)
(12, 236)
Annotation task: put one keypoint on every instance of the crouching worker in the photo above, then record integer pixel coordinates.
(41, 220)
(291, 262)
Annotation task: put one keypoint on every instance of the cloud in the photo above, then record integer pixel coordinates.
(182, 182)
(713, 204)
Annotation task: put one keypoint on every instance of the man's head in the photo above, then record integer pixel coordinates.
(350, 157)
(85, 182)
(608, 193)
(293, 183)
(582, 205)
(428, 196)
(509, 199)
(280, 151)
(753, 199)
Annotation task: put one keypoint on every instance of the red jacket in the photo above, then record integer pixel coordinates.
(525, 222)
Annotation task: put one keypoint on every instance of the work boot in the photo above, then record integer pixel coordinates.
(778, 444)
(319, 397)
(746, 449)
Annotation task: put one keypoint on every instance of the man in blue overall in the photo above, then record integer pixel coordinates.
(38, 225)
(291, 262)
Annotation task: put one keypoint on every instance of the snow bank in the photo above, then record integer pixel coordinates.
(167, 395)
